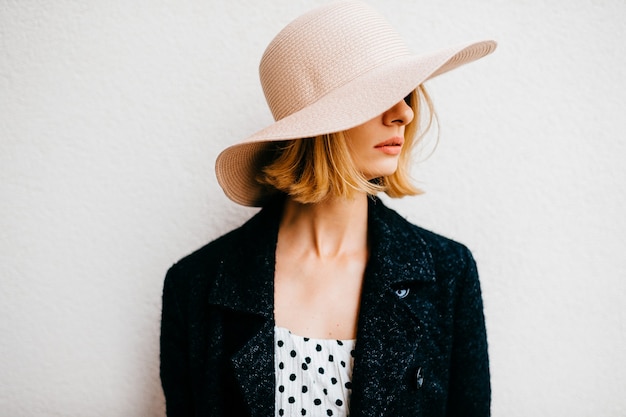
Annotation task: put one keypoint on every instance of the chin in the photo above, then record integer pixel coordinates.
(388, 171)
(381, 173)
(377, 169)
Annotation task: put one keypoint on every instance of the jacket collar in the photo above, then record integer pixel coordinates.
(245, 277)
(398, 252)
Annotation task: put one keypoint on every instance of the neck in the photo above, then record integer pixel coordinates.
(331, 228)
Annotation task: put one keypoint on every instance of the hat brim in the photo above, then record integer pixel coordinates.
(348, 106)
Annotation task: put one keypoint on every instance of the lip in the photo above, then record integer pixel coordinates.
(391, 146)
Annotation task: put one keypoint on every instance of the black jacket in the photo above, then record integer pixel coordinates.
(421, 352)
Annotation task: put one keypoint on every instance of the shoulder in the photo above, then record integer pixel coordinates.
(212, 253)
(233, 248)
(446, 263)
(209, 253)
(442, 249)
(188, 278)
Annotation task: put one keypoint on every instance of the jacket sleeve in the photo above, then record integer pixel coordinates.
(174, 366)
(470, 387)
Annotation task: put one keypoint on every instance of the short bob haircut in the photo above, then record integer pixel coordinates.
(310, 170)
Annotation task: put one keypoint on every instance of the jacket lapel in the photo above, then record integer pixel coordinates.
(389, 329)
(254, 369)
(245, 289)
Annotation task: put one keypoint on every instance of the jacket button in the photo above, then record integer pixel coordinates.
(402, 292)
(419, 378)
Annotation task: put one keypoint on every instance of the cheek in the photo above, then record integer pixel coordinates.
(359, 139)
(358, 151)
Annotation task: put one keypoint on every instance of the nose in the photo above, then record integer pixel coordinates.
(400, 114)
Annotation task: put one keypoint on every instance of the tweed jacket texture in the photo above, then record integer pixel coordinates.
(421, 346)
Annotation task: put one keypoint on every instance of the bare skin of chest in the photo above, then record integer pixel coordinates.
(318, 297)
(321, 254)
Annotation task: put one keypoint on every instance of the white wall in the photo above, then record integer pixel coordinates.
(112, 114)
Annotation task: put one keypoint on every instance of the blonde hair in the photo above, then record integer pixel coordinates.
(312, 169)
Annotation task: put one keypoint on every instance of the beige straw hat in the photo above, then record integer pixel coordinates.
(329, 70)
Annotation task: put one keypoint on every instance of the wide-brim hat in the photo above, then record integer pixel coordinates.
(327, 71)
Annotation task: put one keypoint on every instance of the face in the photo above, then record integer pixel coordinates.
(375, 145)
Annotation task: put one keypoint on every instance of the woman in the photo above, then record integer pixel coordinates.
(327, 303)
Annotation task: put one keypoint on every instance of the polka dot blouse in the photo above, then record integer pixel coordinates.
(313, 376)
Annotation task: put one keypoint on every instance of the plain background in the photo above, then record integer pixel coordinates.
(112, 114)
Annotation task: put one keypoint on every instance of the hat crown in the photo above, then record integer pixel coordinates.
(323, 50)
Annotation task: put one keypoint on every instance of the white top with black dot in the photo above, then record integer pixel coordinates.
(313, 376)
